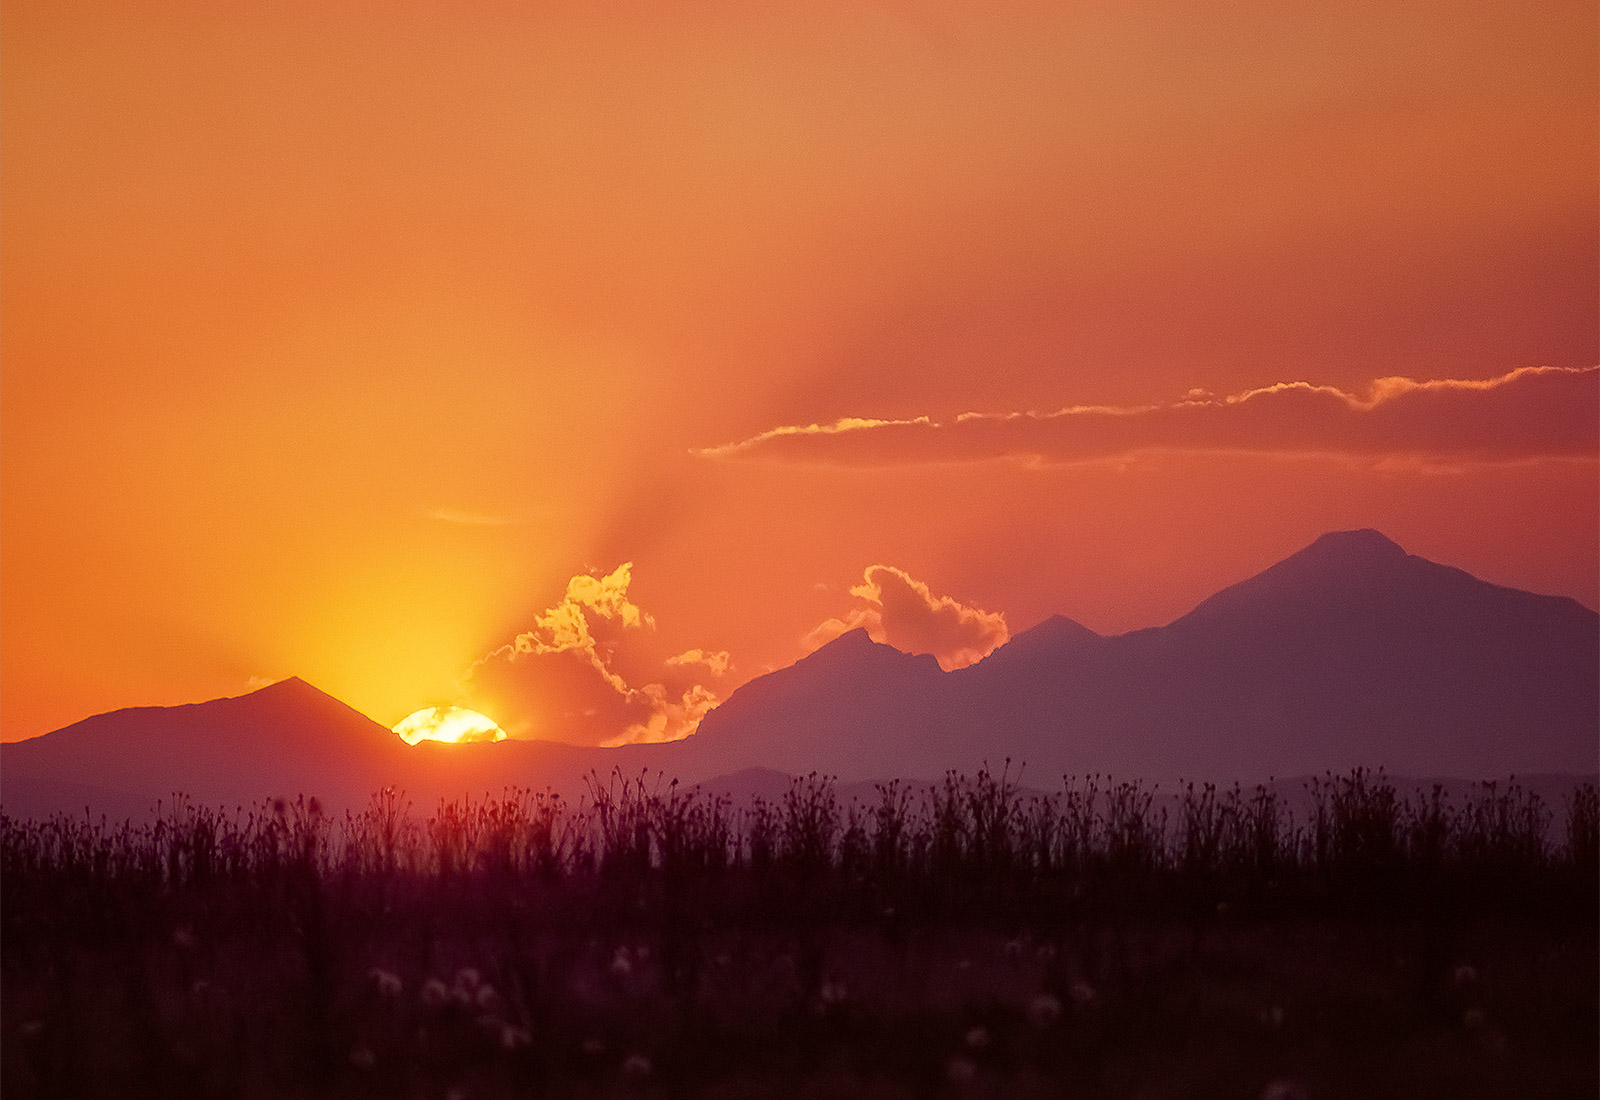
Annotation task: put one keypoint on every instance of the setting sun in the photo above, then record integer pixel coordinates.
(456, 725)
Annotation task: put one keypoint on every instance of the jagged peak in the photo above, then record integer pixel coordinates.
(849, 644)
(857, 646)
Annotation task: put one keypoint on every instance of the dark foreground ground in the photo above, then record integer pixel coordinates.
(803, 950)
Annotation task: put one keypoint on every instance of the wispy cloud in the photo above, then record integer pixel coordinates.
(469, 519)
(1532, 413)
(899, 610)
(843, 425)
(718, 663)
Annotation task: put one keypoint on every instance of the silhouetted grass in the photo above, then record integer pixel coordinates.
(1105, 938)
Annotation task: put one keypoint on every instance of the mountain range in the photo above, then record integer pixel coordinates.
(1350, 652)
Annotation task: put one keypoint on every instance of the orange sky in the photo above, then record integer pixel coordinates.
(336, 339)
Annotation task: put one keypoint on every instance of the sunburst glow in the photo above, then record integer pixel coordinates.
(456, 725)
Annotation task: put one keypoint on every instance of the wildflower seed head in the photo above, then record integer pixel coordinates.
(465, 989)
(961, 1070)
(386, 982)
(1044, 1010)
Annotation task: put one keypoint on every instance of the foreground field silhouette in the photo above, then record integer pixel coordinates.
(963, 938)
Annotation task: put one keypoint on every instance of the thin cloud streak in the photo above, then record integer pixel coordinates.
(838, 427)
(469, 519)
(1532, 413)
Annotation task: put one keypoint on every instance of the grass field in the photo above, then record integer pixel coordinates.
(961, 940)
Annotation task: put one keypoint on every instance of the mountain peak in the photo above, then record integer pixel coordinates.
(290, 685)
(1364, 543)
(1335, 567)
(1050, 640)
(857, 647)
(1057, 627)
(291, 691)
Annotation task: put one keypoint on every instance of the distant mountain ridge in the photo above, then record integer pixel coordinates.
(1350, 652)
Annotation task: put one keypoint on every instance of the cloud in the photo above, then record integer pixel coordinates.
(584, 672)
(839, 427)
(1533, 413)
(468, 519)
(718, 663)
(899, 610)
(565, 627)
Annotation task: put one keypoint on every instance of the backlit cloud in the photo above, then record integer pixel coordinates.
(841, 426)
(1527, 414)
(899, 610)
(718, 662)
(584, 672)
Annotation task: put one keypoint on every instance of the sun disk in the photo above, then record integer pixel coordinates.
(456, 725)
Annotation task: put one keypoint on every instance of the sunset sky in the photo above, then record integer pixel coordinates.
(581, 361)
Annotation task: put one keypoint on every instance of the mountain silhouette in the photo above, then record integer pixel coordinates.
(845, 710)
(1348, 653)
(283, 739)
